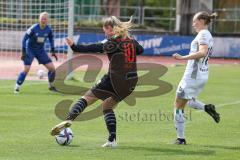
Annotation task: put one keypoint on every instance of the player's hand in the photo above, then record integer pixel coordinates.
(177, 56)
(54, 55)
(69, 42)
(23, 54)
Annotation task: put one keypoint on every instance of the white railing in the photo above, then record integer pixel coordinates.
(141, 15)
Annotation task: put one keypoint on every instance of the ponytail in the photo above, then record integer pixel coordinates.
(206, 16)
(119, 28)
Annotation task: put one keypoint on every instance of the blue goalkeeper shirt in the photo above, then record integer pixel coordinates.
(35, 38)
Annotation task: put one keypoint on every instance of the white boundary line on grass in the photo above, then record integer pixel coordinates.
(223, 105)
(27, 84)
(227, 104)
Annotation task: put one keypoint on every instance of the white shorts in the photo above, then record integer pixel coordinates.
(190, 88)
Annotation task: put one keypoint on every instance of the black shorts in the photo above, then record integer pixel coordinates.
(117, 89)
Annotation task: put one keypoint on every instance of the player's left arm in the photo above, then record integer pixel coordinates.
(202, 52)
(51, 40)
(139, 48)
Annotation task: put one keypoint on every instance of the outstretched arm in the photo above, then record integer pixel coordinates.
(96, 47)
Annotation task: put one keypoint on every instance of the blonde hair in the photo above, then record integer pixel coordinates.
(43, 14)
(119, 28)
(206, 16)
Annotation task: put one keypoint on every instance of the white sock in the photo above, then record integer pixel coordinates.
(179, 122)
(196, 104)
(50, 84)
(17, 86)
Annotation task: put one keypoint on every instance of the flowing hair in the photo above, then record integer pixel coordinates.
(206, 16)
(119, 28)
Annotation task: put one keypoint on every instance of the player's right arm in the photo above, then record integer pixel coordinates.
(24, 41)
(96, 47)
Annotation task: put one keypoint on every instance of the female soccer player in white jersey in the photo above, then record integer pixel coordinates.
(195, 76)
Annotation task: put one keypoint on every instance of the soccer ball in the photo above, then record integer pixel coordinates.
(64, 137)
(40, 74)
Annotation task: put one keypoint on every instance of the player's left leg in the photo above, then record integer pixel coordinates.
(110, 120)
(209, 108)
(51, 75)
(44, 59)
(179, 120)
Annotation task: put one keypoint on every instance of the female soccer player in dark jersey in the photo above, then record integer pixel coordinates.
(120, 80)
(33, 46)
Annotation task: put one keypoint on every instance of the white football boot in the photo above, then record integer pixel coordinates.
(109, 144)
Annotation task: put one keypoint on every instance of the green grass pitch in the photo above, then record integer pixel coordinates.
(26, 120)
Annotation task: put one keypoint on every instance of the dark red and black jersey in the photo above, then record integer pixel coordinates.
(122, 73)
(121, 53)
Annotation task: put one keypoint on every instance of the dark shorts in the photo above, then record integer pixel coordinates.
(40, 55)
(109, 87)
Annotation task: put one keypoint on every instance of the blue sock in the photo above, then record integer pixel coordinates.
(21, 78)
(51, 76)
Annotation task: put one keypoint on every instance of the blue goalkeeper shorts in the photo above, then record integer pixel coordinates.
(40, 55)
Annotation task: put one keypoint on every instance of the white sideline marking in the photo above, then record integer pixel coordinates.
(28, 84)
(228, 104)
(222, 105)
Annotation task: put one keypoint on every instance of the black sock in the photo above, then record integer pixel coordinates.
(77, 108)
(110, 120)
(51, 76)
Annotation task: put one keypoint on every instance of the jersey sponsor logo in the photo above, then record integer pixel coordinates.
(126, 46)
(203, 69)
(40, 39)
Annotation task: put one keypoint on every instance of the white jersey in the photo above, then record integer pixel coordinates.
(198, 68)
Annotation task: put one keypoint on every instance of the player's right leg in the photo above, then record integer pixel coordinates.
(179, 120)
(88, 99)
(21, 78)
(27, 65)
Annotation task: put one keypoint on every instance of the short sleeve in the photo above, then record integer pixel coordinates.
(204, 37)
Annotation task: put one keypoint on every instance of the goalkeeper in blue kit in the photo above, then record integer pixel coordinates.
(33, 47)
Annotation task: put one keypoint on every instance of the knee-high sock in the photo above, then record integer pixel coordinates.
(21, 78)
(111, 123)
(179, 122)
(77, 108)
(51, 77)
(196, 104)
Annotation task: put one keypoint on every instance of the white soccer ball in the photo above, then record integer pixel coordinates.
(64, 137)
(40, 74)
